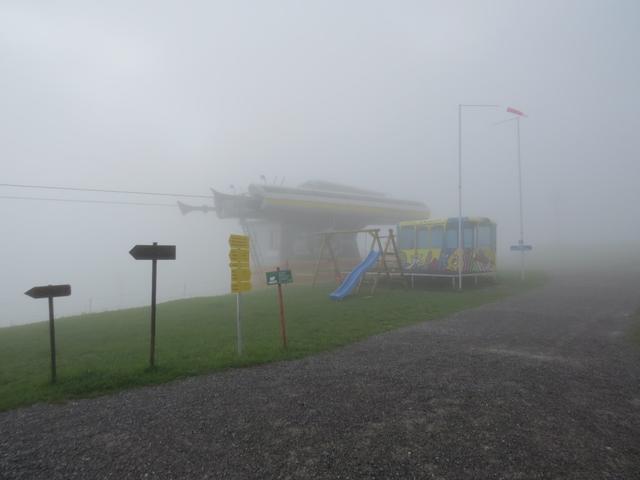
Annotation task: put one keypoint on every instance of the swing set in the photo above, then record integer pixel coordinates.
(388, 264)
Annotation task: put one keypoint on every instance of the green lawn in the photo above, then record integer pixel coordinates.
(108, 351)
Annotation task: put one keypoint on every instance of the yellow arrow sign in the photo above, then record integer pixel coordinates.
(239, 258)
(239, 266)
(241, 275)
(240, 241)
(237, 287)
(239, 255)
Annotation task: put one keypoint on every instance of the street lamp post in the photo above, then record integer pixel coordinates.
(460, 243)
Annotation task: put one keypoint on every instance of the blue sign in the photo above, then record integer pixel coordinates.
(521, 248)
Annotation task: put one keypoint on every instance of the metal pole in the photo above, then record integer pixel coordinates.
(459, 195)
(283, 325)
(152, 349)
(238, 330)
(520, 193)
(52, 341)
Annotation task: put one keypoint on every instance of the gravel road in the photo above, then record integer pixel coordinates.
(543, 385)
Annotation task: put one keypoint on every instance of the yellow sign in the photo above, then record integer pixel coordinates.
(239, 241)
(239, 263)
(241, 256)
(241, 275)
(237, 287)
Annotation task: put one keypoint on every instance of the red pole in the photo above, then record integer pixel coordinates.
(283, 324)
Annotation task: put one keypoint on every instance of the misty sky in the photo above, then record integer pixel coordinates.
(184, 96)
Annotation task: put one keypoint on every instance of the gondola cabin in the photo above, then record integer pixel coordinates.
(429, 246)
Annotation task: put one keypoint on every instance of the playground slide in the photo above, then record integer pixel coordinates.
(352, 279)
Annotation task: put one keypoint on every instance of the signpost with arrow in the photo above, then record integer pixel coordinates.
(278, 278)
(50, 292)
(154, 253)
(240, 275)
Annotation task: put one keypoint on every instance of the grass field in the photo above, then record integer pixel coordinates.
(104, 352)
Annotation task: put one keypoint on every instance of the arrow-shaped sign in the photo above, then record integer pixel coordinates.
(49, 291)
(239, 241)
(153, 252)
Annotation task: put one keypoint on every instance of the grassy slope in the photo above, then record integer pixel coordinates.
(103, 352)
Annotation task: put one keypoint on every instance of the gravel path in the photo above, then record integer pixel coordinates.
(543, 385)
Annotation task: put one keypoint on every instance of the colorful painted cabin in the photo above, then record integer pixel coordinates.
(429, 246)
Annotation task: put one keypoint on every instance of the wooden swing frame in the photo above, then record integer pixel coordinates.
(383, 267)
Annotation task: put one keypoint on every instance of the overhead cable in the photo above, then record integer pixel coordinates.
(68, 200)
(102, 190)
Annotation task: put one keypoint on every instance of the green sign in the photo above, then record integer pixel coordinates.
(279, 277)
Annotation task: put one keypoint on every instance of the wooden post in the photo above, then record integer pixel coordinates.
(154, 253)
(336, 268)
(283, 323)
(384, 262)
(392, 239)
(152, 349)
(52, 341)
(317, 270)
(49, 292)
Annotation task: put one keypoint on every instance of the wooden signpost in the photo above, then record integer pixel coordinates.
(240, 275)
(50, 292)
(154, 253)
(278, 278)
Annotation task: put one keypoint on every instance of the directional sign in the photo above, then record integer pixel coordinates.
(239, 257)
(153, 252)
(521, 248)
(239, 263)
(239, 287)
(285, 276)
(272, 278)
(279, 277)
(49, 291)
(241, 275)
(239, 241)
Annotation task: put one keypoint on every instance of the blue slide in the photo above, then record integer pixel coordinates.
(356, 274)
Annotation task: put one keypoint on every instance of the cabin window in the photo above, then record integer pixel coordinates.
(407, 238)
(484, 236)
(436, 236)
(423, 237)
(451, 239)
(467, 237)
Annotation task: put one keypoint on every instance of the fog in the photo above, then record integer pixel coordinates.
(185, 96)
